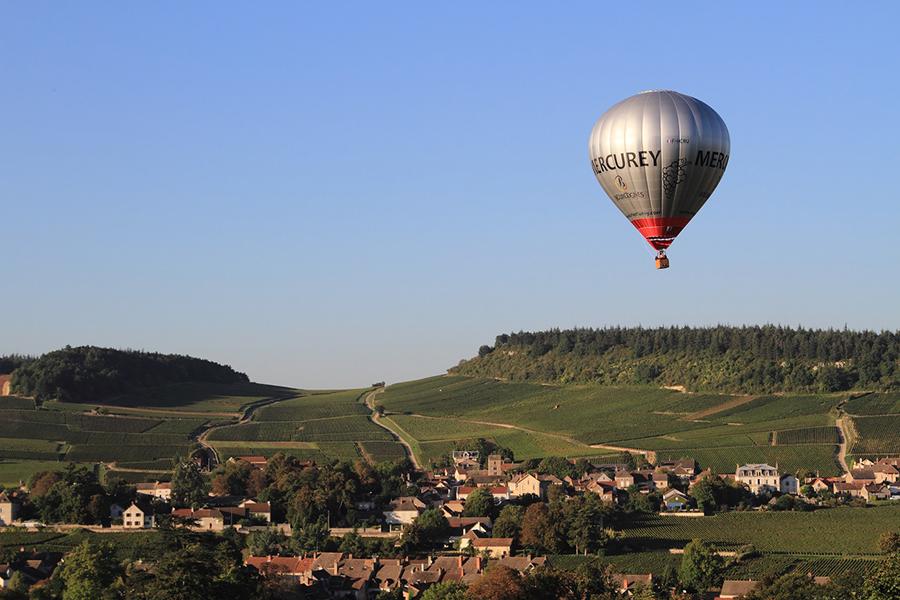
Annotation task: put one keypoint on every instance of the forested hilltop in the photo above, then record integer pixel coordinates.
(88, 373)
(758, 359)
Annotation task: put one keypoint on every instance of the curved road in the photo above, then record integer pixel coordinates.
(370, 403)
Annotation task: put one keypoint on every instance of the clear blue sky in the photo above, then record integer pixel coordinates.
(333, 196)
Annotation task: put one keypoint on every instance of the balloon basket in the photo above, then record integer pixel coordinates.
(662, 261)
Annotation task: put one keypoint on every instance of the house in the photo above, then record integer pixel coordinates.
(493, 547)
(500, 494)
(403, 510)
(156, 489)
(624, 480)
(736, 588)
(885, 472)
(530, 484)
(460, 526)
(33, 567)
(674, 500)
(789, 484)
(605, 489)
(628, 583)
(9, 509)
(875, 491)
(295, 567)
(257, 510)
(139, 515)
(851, 489)
(863, 476)
(207, 519)
(660, 480)
(819, 484)
(452, 508)
(760, 478)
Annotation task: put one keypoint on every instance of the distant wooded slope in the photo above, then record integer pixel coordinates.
(760, 359)
(90, 374)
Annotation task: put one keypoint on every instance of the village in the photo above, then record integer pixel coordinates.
(462, 520)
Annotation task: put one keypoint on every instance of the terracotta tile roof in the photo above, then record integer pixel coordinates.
(280, 565)
(737, 587)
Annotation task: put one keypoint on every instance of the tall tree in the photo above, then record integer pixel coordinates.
(480, 503)
(701, 567)
(189, 486)
(90, 572)
(499, 583)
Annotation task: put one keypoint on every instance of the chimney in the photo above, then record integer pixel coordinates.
(459, 561)
(334, 568)
(478, 564)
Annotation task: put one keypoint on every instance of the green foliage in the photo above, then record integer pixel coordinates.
(88, 373)
(734, 359)
(713, 493)
(427, 531)
(451, 590)
(480, 503)
(508, 522)
(265, 542)
(889, 542)
(884, 582)
(189, 486)
(701, 567)
(89, 573)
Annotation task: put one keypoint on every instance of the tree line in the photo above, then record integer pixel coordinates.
(752, 359)
(89, 373)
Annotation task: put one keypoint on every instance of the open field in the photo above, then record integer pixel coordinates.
(877, 435)
(874, 404)
(566, 420)
(533, 420)
(201, 397)
(14, 471)
(850, 531)
(323, 426)
(127, 546)
(657, 561)
(790, 459)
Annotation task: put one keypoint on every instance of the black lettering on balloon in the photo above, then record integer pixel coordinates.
(655, 156)
(643, 156)
(631, 159)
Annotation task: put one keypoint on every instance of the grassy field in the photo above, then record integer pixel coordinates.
(12, 472)
(323, 426)
(850, 531)
(718, 430)
(201, 397)
(658, 561)
(874, 404)
(877, 435)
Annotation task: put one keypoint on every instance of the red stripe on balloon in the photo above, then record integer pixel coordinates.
(660, 232)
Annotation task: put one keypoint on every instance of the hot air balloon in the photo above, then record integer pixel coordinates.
(659, 155)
